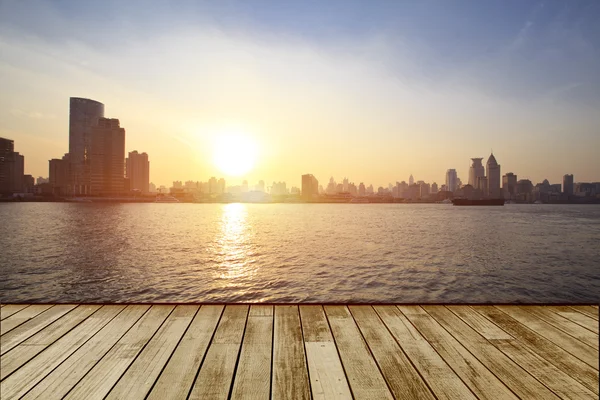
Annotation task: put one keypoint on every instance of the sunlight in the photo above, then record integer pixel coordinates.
(235, 154)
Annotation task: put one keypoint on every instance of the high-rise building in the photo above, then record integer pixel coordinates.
(434, 188)
(362, 191)
(107, 160)
(493, 178)
(58, 172)
(310, 186)
(221, 186)
(12, 166)
(482, 185)
(411, 180)
(568, 184)
(19, 173)
(509, 185)
(212, 185)
(451, 180)
(137, 169)
(345, 185)
(477, 170)
(84, 115)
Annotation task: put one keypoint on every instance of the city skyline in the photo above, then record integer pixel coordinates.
(369, 98)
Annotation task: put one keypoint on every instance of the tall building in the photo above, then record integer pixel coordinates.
(568, 184)
(137, 169)
(477, 170)
(212, 185)
(310, 186)
(434, 188)
(107, 160)
(411, 180)
(482, 185)
(362, 191)
(509, 185)
(493, 178)
(221, 186)
(7, 165)
(58, 172)
(84, 115)
(451, 180)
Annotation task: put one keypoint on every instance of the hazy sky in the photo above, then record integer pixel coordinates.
(369, 90)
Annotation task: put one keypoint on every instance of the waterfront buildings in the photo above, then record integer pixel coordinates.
(107, 158)
(411, 180)
(84, 115)
(509, 185)
(137, 169)
(12, 165)
(482, 185)
(475, 172)
(493, 178)
(59, 174)
(434, 188)
(568, 184)
(310, 186)
(362, 191)
(451, 180)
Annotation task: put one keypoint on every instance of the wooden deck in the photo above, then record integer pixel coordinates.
(298, 352)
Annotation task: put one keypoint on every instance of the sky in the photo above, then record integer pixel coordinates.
(373, 91)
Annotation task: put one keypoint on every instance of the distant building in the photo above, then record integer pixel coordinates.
(260, 187)
(84, 115)
(362, 191)
(434, 188)
(221, 186)
(568, 187)
(137, 169)
(475, 172)
(7, 165)
(493, 178)
(339, 188)
(212, 185)
(482, 185)
(451, 180)
(370, 189)
(310, 187)
(107, 160)
(28, 184)
(41, 180)
(345, 185)
(411, 180)
(152, 187)
(424, 189)
(58, 171)
(524, 190)
(509, 185)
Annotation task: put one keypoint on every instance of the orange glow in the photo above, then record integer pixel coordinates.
(235, 154)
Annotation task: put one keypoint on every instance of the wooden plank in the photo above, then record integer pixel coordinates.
(511, 374)
(141, 375)
(253, 376)
(99, 380)
(442, 380)
(581, 319)
(564, 324)
(31, 327)
(480, 380)
(578, 349)
(572, 366)
(327, 377)
(22, 316)
(58, 383)
(28, 349)
(555, 379)
(290, 372)
(178, 376)
(402, 378)
(10, 309)
(218, 368)
(590, 311)
(26, 377)
(361, 369)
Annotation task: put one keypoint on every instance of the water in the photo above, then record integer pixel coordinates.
(67, 252)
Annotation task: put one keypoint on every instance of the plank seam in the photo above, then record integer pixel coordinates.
(548, 339)
(576, 322)
(59, 364)
(303, 346)
(206, 352)
(139, 352)
(507, 356)
(239, 354)
(27, 320)
(172, 352)
(339, 355)
(108, 351)
(28, 305)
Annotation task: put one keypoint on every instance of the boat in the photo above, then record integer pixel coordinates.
(166, 199)
(484, 202)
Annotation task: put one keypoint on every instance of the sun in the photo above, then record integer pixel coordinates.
(235, 154)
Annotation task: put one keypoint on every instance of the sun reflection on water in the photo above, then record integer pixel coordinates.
(234, 244)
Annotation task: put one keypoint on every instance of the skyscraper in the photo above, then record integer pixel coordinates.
(477, 170)
(493, 178)
(137, 169)
(509, 185)
(58, 172)
(11, 167)
(83, 116)
(411, 180)
(568, 184)
(362, 191)
(451, 180)
(310, 186)
(107, 160)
